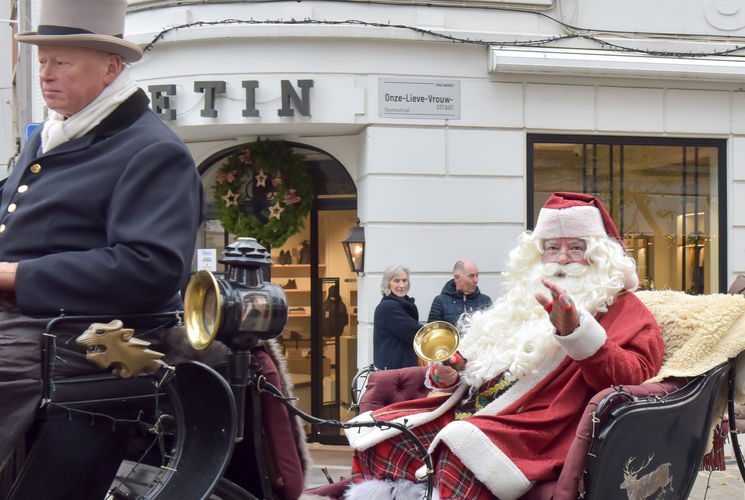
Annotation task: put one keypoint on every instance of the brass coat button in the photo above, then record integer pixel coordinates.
(35, 168)
(23, 188)
(12, 207)
(2, 228)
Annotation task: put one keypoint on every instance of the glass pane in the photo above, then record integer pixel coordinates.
(338, 315)
(663, 198)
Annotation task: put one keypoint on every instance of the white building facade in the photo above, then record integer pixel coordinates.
(447, 126)
(7, 137)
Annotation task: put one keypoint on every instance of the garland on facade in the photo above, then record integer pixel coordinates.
(264, 191)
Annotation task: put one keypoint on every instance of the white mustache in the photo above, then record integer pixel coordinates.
(571, 270)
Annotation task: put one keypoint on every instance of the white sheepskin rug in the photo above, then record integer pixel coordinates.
(699, 331)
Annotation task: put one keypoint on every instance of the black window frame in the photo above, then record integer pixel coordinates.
(719, 144)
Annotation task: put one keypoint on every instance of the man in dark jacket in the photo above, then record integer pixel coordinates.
(459, 295)
(100, 212)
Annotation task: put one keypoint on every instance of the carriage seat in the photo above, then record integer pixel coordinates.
(703, 337)
(608, 419)
(669, 422)
(385, 387)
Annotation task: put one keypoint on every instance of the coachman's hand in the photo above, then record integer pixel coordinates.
(8, 284)
(8, 276)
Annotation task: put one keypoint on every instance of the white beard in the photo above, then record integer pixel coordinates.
(515, 334)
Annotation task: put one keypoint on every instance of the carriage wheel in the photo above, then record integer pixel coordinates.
(185, 450)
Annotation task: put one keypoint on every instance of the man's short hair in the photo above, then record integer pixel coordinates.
(458, 267)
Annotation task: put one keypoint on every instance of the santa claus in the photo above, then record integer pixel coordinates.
(566, 327)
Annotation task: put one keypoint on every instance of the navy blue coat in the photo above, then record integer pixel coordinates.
(395, 324)
(451, 303)
(105, 223)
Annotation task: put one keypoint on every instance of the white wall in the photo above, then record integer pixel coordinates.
(736, 207)
(7, 145)
(661, 16)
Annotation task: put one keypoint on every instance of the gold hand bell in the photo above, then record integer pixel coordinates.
(436, 341)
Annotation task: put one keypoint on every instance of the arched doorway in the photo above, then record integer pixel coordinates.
(319, 341)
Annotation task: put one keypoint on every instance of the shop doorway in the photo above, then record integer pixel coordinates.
(319, 342)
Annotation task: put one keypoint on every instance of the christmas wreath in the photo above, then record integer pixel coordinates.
(264, 191)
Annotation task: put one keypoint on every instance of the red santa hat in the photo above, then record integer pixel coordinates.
(574, 215)
(577, 215)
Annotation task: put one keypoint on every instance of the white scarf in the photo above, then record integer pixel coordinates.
(58, 130)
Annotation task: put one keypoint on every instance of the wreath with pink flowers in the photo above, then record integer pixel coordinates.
(263, 190)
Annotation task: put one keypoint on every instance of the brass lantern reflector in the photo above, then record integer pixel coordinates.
(436, 341)
(202, 309)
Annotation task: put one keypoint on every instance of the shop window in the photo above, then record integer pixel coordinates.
(665, 196)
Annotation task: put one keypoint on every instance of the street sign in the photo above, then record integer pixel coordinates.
(28, 130)
(416, 98)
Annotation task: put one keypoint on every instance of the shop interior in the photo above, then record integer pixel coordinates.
(662, 194)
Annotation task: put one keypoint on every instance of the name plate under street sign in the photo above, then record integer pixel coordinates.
(412, 98)
(207, 259)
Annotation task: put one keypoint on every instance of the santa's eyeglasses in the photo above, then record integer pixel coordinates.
(574, 249)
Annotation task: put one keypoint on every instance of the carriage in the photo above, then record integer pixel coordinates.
(187, 431)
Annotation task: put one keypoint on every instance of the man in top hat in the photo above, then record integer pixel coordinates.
(567, 328)
(100, 212)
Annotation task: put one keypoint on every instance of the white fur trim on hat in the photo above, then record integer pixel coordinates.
(570, 222)
(630, 281)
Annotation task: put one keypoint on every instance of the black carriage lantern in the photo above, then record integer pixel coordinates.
(240, 308)
(354, 247)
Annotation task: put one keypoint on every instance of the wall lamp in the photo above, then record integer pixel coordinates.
(354, 247)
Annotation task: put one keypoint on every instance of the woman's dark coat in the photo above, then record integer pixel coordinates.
(395, 324)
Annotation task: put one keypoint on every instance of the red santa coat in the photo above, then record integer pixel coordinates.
(523, 436)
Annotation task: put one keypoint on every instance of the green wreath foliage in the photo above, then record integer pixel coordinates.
(263, 172)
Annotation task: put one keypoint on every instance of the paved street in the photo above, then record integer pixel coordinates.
(720, 485)
(717, 485)
(336, 459)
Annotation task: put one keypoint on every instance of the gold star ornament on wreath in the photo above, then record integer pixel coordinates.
(263, 190)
